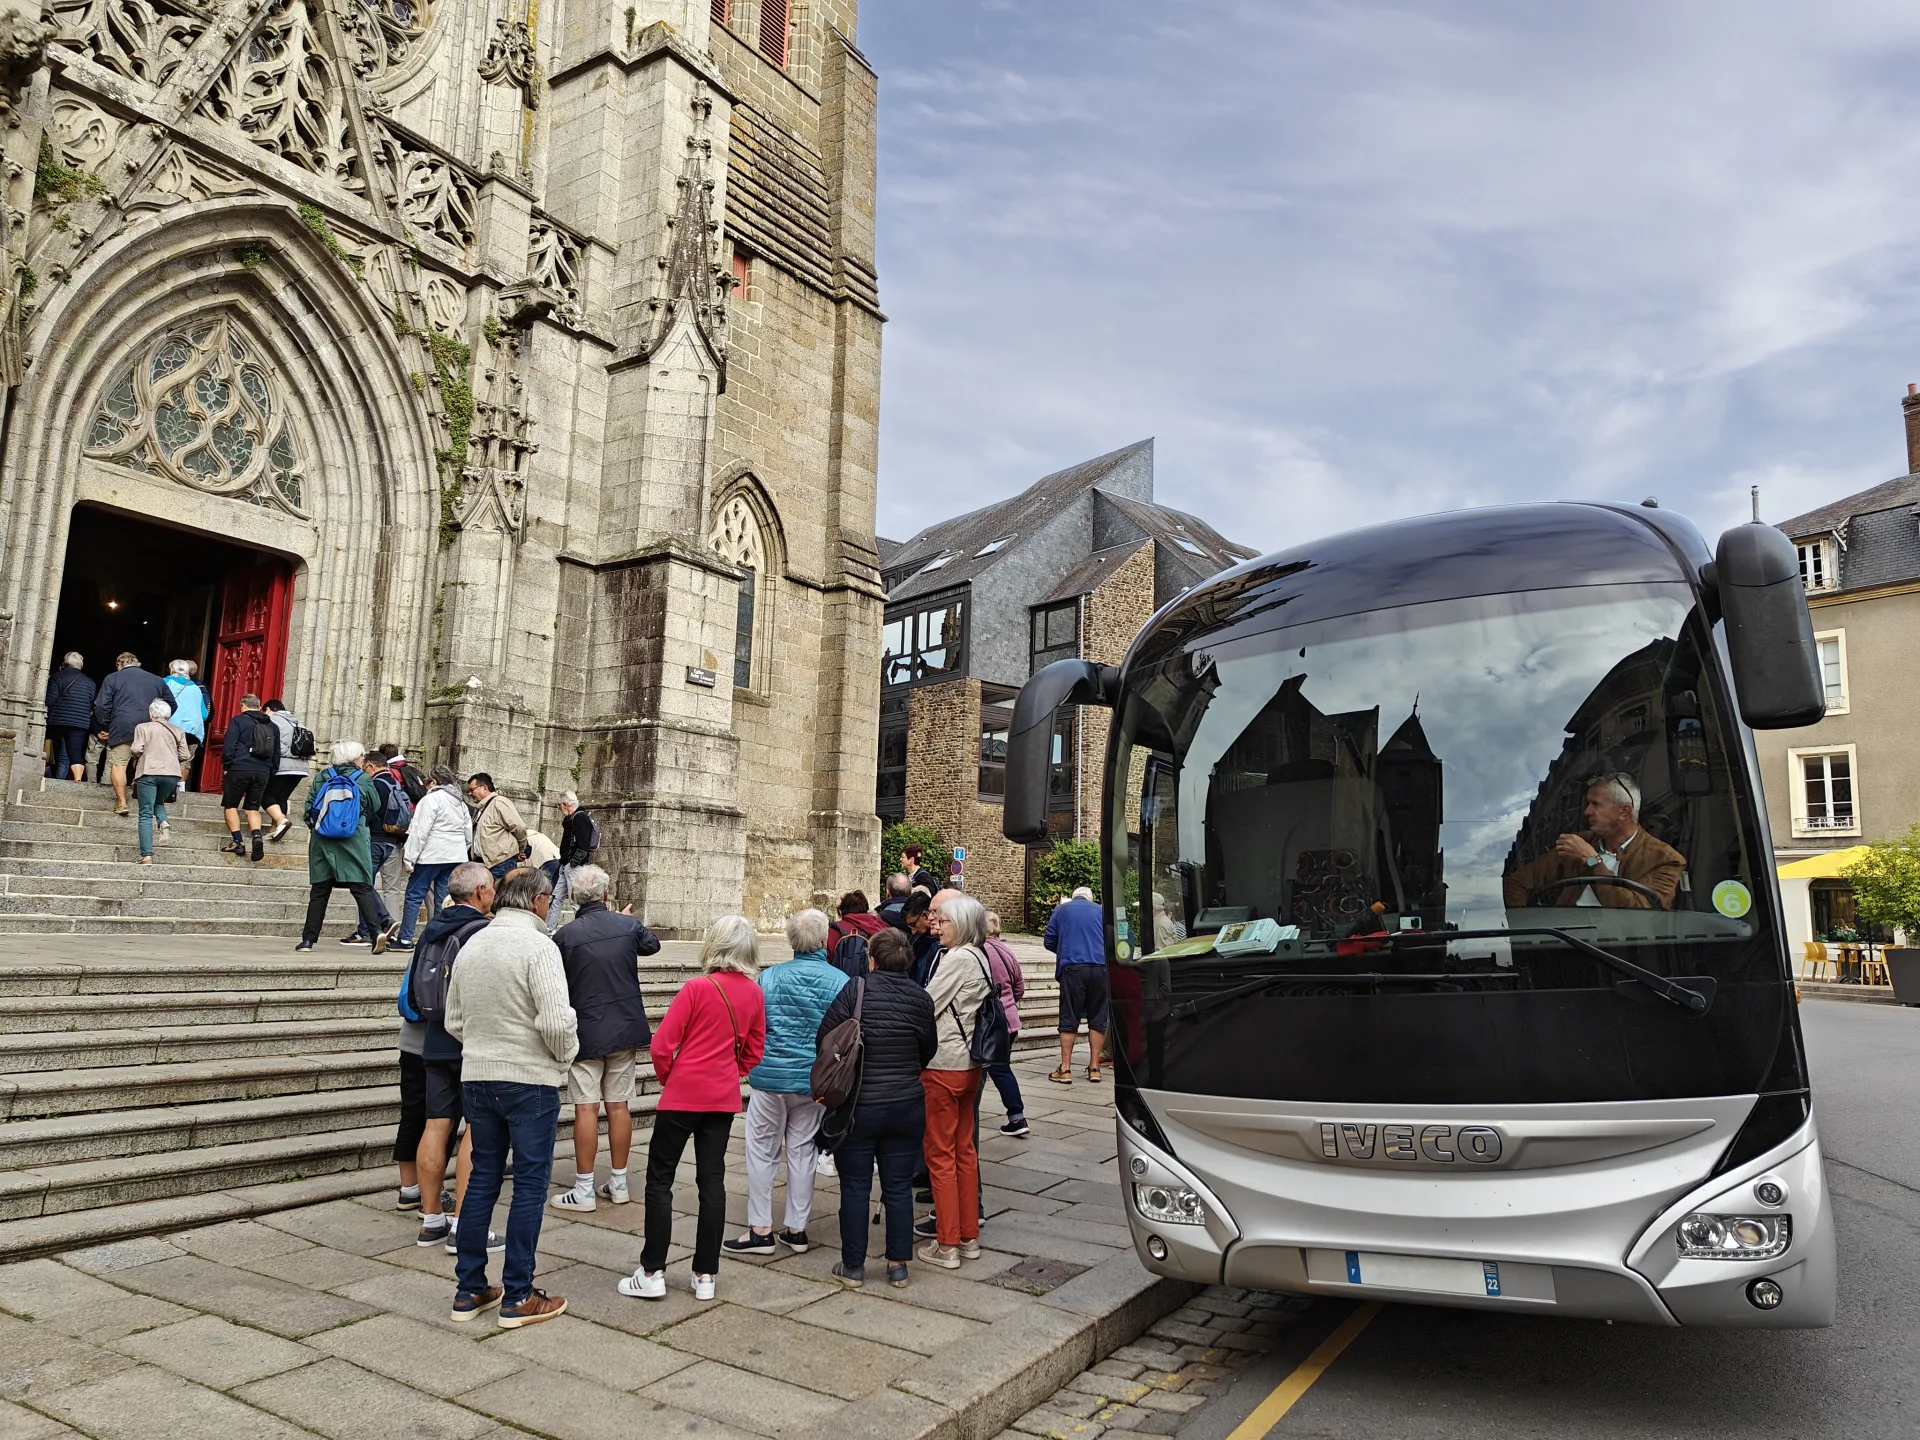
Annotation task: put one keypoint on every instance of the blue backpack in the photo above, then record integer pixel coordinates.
(334, 809)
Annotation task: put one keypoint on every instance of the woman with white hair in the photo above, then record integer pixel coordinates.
(160, 757)
(781, 1111)
(713, 1033)
(70, 717)
(959, 983)
(341, 801)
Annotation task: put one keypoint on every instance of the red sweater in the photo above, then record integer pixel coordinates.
(693, 1048)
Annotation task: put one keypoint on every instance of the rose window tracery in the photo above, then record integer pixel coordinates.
(200, 407)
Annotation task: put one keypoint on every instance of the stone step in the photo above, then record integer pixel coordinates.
(68, 1139)
(86, 1049)
(48, 1014)
(282, 934)
(28, 1095)
(27, 841)
(87, 795)
(262, 907)
(89, 824)
(142, 882)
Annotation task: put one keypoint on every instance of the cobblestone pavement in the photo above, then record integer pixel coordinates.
(1154, 1385)
(329, 1320)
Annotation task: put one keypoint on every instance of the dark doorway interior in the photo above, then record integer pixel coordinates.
(162, 594)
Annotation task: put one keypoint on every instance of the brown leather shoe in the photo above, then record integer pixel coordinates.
(538, 1306)
(465, 1307)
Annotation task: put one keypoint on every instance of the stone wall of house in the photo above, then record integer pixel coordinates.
(943, 792)
(1109, 619)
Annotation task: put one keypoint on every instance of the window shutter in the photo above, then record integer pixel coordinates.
(773, 30)
(720, 11)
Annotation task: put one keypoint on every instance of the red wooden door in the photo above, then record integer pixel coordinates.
(249, 649)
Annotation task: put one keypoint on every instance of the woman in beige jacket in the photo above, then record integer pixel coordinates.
(957, 986)
(160, 757)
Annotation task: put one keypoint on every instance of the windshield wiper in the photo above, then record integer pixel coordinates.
(1190, 1008)
(1684, 995)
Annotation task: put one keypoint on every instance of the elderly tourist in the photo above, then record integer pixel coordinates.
(713, 1033)
(288, 774)
(160, 756)
(249, 756)
(342, 861)
(189, 702)
(499, 834)
(889, 1105)
(119, 708)
(782, 1114)
(1077, 937)
(507, 1006)
(70, 716)
(578, 839)
(959, 982)
(600, 949)
(440, 838)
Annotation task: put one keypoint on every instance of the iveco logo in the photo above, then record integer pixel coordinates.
(1440, 1144)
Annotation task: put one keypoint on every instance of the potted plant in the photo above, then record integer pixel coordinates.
(1886, 894)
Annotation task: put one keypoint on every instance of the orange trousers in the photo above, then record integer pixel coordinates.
(953, 1164)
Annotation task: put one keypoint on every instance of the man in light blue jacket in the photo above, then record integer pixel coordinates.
(781, 1111)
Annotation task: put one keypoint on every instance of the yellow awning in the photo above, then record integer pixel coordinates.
(1822, 867)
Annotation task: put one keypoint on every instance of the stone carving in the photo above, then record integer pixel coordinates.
(736, 537)
(23, 50)
(553, 263)
(84, 133)
(385, 35)
(691, 276)
(134, 38)
(198, 406)
(445, 303)
(510, 60)
(182, 177)
(430, 191)
(283, 90)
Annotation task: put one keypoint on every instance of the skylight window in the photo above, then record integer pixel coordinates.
(1188, 546)
(992, 546)
(936, 562)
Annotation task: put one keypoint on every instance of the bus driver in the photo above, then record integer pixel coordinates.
(1613, 845)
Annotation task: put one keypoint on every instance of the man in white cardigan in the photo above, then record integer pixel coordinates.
(507, 1006)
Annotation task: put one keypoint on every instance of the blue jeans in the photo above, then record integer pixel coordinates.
(1009, 1088)
(153, 793)
(888, 1134)
(424, 879)
(502, 1114)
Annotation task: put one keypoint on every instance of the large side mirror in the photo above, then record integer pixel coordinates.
(1776, 665)
(1064, 682)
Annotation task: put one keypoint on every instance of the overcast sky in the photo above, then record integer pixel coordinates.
(1349, 261)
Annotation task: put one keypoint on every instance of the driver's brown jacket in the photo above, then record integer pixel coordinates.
(1652, 863)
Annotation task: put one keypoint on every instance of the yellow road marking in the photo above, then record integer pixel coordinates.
(1270, 1411)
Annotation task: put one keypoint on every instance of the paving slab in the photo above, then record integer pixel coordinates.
(408, 1292)
(596, 1352)
(36, 1360)
(215, 1352)
(121, 1255)
(76, 1304)
(235, 1242)
(741, 1398)
(343, 1225)
(19, 1423)
(287, 1310)
(147, 1403)
(591, 1294)
(344, 1402)
(871, 1317)
(317, 1268)
(570, 1408)
(804, 1355)
(1004, 1371)
(426, 1357)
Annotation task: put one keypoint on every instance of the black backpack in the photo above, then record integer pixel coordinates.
(990, 1042)
(850, 955)
(413, 782)
(264, 743)
(432, 972)
(300, 744)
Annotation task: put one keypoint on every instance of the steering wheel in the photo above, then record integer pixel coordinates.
(1600, 879)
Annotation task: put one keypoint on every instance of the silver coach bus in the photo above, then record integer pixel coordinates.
(1443, 935)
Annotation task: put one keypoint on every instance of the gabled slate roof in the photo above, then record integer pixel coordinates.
(1878, 532)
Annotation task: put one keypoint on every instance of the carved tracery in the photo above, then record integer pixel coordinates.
(284, 91)
(736, 538)
(134, 38)
(199, 406)
(510, 60)
(386, 35)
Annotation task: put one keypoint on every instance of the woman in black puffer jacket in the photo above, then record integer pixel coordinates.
(889, 1108)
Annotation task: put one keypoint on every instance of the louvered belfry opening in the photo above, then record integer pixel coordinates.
(773, 30)
(720, 11)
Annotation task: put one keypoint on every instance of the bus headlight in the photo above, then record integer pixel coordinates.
(1734, 1237)
(1169, 1204)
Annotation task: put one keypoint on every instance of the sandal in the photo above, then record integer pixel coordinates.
(1062, 1076)
(1094, 1074)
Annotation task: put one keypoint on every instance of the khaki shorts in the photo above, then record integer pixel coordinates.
(120, 754)
(605, 1077)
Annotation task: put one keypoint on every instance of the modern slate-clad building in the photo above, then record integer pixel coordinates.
(1071, 566)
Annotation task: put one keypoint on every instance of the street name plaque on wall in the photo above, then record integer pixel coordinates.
(698, 676)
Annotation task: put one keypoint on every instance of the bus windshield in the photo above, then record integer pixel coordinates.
(1369, 859)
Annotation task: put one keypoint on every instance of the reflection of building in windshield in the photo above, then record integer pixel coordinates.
(1309, 822)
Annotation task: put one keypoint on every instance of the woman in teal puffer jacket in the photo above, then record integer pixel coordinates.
(781, 1112)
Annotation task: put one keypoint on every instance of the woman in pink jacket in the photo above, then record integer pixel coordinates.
(713, 1033)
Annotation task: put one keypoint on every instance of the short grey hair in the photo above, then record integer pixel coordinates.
(159, 710)
(75, 660)
(1622, 787)
(467, 879)
(966, 921)
(588, 882)
(443, 775)
(346, 752)
(521, 889)
(898, 887)
(731, 945)
(807, 930)
(177, 667)
(567, 797)
(1083, 892)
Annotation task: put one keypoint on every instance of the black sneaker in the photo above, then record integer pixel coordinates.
(405, 1201)
(430, 1233)
(853, 1278)
(303, 945)
(926, 1229)
(1016, 1127)
(897, 1276)
(923, 1197)
(259, 847)
(355, 939)
(794, 1240)
(399, 945)
(749, 1244)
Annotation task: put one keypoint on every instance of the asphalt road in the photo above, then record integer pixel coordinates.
(1451, 1374)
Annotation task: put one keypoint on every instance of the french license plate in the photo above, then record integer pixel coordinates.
(1430, 1273)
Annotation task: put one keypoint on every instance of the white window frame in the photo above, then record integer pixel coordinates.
(1823, 546)
(1797, 790)
(1839, 638)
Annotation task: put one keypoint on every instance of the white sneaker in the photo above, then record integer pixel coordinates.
(574, 1200)
(702, 1287)
(823, 1164)
(642, 1286)
(616, 1190)
(163, 832)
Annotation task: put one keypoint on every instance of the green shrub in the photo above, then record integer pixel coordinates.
(1886, 884)
(935, 853)
(1059, 872)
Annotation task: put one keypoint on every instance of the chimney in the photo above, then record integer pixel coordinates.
(1910, 407)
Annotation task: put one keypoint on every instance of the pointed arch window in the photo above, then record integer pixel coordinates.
(737, 539)
(199, 406)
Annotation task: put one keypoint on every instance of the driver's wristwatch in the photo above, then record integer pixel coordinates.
(1591, 861)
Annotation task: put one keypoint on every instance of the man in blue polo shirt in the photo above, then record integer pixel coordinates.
(1077, 939)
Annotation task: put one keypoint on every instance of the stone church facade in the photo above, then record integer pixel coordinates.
(524, 358)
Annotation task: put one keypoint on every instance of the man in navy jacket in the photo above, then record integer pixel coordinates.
(1077, 938)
